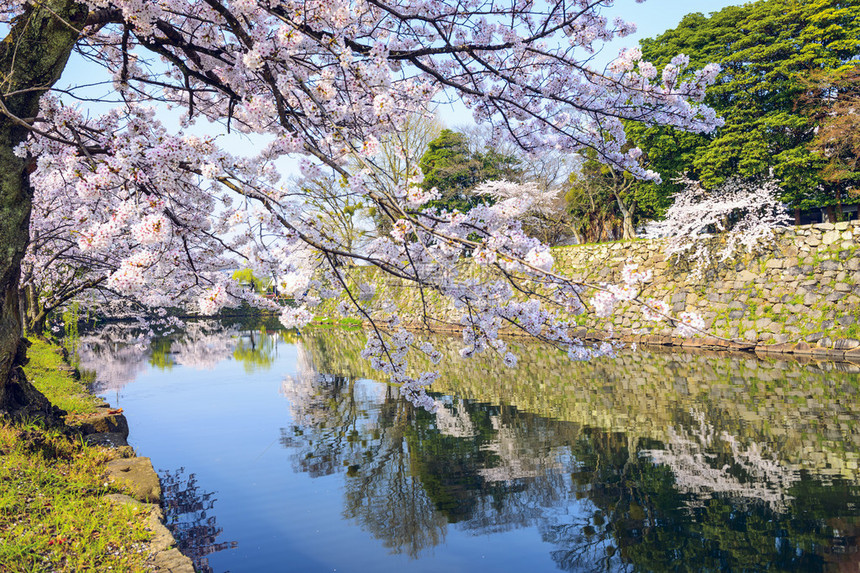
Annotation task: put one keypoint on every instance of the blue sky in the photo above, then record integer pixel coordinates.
(656, 16)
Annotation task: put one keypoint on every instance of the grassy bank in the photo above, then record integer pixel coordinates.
(54, 513)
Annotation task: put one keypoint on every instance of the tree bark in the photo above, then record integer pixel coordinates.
(33, 311)
(32, 57)
(628, 231)
(620, 185)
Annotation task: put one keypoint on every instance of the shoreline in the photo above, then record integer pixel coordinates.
(128, 482)
(842, 351)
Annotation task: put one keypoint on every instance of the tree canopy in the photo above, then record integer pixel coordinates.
(833, 100)
(767, 50)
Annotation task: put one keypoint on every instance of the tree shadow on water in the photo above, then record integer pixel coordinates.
(188, 515)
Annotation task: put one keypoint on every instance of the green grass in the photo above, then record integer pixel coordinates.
(327, 322)
(54, 515)
(47, 371)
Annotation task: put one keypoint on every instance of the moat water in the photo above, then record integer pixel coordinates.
(280, 452)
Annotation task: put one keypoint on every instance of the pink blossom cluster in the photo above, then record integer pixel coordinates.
(689, 324)
(295, 317)
(745, 212)
(152, 229)
(213, 300)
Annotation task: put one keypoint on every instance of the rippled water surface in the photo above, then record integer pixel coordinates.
(280, 453)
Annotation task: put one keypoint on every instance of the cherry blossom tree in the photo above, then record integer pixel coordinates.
(744, 212)
(547, 218)
(163, 214)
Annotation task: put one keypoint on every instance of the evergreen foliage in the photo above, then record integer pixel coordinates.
(767, 50)
(454, 170)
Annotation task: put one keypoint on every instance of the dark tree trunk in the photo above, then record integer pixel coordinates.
(32, 55)
(840, 213)
(33, 311)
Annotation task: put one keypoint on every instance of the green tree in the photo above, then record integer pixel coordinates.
(342, 216)
(601, 193)
(833, 99)
(247, 277)
(765, 49)
(454, 170)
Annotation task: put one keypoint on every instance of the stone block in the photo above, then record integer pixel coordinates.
(828, 353)
(813, 337)
(115, 440)
(801, 348)
(174, 561)
(846, 320)
(846, 344)
(778, 348)
(112, 421)
(138, 476)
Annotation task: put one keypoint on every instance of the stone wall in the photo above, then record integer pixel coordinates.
(800, 294)
(805, 287)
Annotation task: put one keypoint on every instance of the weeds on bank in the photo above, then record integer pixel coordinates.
(324, 321)
(53, 513)
(47, 371)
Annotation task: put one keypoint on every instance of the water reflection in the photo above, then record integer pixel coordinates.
(650, 462)
(807, 414)
(705, 463)
(120, 352)
(188, 513)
